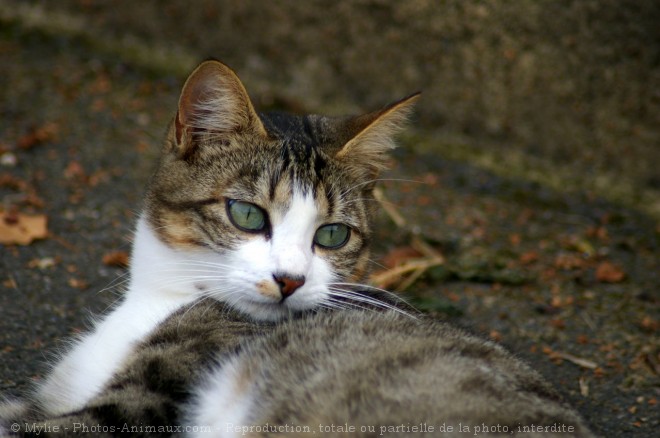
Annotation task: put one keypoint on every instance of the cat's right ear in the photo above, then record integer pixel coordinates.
(372, 137)
(214, 101)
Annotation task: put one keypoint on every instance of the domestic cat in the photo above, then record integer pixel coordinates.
(267, 213)
(245, 313)
(209, 370)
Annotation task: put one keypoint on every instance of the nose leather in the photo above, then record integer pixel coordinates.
(288, 284)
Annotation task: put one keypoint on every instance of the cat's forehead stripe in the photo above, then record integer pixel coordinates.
(301, 129)
(300, 140)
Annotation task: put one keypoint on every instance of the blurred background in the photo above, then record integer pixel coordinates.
(531, 169)
(564, 91)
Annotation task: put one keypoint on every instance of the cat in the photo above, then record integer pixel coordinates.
(267, 213)
(209, 370)
(246, 315)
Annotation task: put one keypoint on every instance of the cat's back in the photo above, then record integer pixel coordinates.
(367, 373)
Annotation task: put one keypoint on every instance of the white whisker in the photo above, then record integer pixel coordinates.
(370, 287)
(343, 293)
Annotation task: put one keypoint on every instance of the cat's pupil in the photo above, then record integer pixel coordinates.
(332, 236)
(246, 216)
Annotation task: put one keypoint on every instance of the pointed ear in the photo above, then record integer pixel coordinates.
(372, 136)
(213, 100)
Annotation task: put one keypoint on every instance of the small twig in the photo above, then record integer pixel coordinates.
(585, 363)
(410, 271)
(427, 250)
(587, 319)
(412, 278)
(387, 278)
(584, 387)
(391, 211)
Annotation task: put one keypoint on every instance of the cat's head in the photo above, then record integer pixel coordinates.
(269, 213)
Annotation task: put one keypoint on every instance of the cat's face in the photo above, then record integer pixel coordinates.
(269, 214)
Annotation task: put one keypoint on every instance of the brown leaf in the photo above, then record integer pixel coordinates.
(582, 339)
(569, 261)
(78, 283)
(598, 232)
(21, 229)
(649, 324)
(608, 272)
(400, 255)
(424, 200)
(74, 170)
(453, 297)
(117, 259)
(10, 283)
(552, 354)
(558, 323)
(45, 133)
(430, 179)
(529, 257)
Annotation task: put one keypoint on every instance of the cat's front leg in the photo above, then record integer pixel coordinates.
(97, 356)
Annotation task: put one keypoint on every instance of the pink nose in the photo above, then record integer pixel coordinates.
(288, 285)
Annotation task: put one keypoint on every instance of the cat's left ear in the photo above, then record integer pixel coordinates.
(213, 100)
(372, 136)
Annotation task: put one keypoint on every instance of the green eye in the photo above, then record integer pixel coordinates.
(246, 216)
(332, 236)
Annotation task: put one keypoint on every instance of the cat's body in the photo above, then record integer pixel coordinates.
(263, 222)
(374, 374)
(210, 371)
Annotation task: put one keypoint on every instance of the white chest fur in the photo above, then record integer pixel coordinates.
(153, 295)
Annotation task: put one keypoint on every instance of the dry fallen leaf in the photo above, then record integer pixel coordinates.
(21, 229)
(43, 263)
(649, 324)
(117, 259)
(74, 170)
(609, 273)
(569, 261)
(529, 257)
(400, 255)
(78, 283)
(38, 135)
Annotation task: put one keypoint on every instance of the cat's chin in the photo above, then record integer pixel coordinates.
(273, 311)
